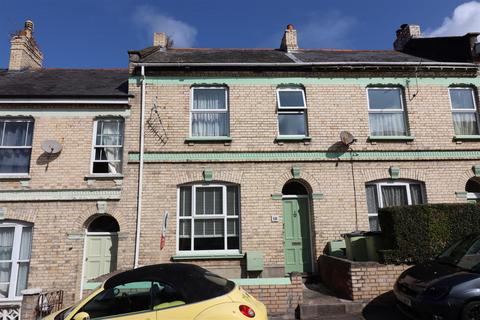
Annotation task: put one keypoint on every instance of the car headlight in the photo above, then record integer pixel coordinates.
(437, 292)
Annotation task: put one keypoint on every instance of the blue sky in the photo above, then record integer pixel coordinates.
(98, 33)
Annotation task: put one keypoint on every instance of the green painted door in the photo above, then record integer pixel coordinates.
(101, 255)
(297, 245)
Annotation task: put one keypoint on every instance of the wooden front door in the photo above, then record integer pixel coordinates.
(101, 255)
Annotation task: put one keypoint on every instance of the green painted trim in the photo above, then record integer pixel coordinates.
(276, 81)
(91, 285)
(262, 281)
(277, 196)
(65, 112)
(304, 156)
(293, 138)
(467, 137)
(317, 196)
(207, 257)
(476, 170)
(207, 139)
(391, 138)
(296, 171)
(461, 194)
(59, 195)
(207, 175)
(394, 172)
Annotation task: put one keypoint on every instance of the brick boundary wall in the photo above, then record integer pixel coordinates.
(355, 280)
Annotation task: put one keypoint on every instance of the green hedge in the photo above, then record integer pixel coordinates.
(418, 233)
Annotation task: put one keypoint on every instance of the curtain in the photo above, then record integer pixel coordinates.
(209, 99)
(6, 243)
(207, 124)
(465, 123)
(372, 198)
(387, 124)
(15, 133)
(232, 201)
(186, 201)
(209, 201)
(109, 133)
(416, 194)
(394, 196)
(292, 123)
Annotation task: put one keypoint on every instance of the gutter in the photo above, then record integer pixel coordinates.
(140, 172)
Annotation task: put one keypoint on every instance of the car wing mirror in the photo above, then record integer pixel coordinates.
(82, 316)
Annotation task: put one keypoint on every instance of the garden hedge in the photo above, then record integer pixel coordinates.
(419, 233)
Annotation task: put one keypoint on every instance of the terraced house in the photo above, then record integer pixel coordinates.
(233, 159)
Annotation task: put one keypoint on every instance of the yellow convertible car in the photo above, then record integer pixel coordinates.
(166, 291)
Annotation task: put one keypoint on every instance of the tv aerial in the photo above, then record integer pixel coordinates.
(347, 138)
(51, 146)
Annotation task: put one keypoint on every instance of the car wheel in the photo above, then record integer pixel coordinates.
(471, 311)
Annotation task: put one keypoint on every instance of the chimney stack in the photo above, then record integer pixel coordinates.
(404, 34)
(24, 51)
(289, 40)
(160, 39)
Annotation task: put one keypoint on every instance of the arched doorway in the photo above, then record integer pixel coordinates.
(296, 222)
(101, 246)
(472, 187)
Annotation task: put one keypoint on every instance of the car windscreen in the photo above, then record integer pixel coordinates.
(464, 254)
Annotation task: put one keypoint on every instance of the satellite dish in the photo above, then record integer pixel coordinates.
(347, 138)
(51, 146)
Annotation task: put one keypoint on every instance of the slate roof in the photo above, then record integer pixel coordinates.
(64, 83)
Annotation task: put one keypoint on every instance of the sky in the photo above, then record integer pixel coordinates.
(98, 33)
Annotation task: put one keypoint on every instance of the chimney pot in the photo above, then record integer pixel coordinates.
(404, 34)
(289, 40)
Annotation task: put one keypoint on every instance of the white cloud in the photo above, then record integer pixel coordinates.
(465, 19)
(182, 33)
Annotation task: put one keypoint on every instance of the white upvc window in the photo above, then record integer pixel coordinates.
(107, 150)
(386, 112)
(292, 112)
(208, 219)
(15, 145)
(464, 111)
(209, 112)
(391, 193)
(15, 249)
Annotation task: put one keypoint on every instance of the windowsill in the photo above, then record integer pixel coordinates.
(194, 256)
(209, 139)
(391, 138)
(293, 138)
(15, 177)
(104, 176)
(466, 137)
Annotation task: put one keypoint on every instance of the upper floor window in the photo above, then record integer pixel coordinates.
(108, 146)
(292, 112)
(388, 193)
(15, 145)
(386, 112)
(208, 218)
(464, 111)
(15, 248)
(209, 112)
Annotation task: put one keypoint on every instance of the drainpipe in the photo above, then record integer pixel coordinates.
(140, 171)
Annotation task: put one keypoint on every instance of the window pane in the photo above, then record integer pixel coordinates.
(14, 160)
(26, 244)
(185, 234)
(416, 194)
(210, 228)
(290, 98)
(372, 198)
(107, 167)
(462, 98)
(185, 201)
(232, 227)
(109, 132)
(209, 201)
(465, 123)
(110, 153)
(373, 222)
(209, 99)
(232, 201)
(291, 123)
(394, 196)
(6, 244)
(15, 133)
(387, 124)
(384, 98)
(5, 269)
(209, 124)
(22, 277)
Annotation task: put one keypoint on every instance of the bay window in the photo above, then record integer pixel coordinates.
(391, 193)
(208, 218)
(107, 146)
(292, 112)
(386, 112)
(15, 145)
(464, 111)
(209, 112)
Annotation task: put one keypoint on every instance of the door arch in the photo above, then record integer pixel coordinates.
(296, 227)
(101, 246)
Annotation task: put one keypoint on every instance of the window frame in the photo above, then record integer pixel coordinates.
(94, 146)
(194, 215)
(474, 110)
(388, 111)
(383, 183)
(31, 124)
(292, 110)
(15, 258)
(192, 111)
